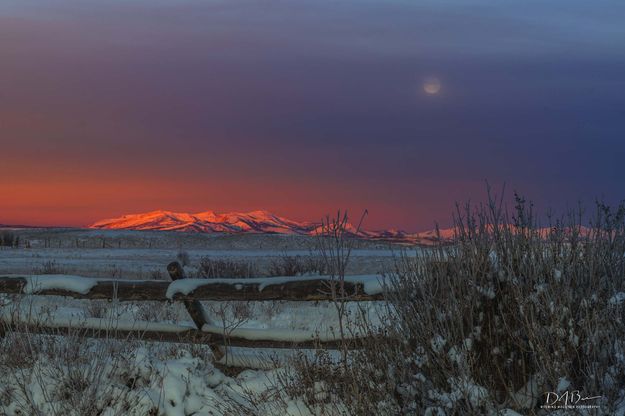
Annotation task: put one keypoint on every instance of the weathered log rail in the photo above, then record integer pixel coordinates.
(190, 292)
(295, 289)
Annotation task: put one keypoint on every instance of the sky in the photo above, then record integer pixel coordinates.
(109, 107)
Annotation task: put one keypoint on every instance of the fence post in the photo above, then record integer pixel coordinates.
(194, 307)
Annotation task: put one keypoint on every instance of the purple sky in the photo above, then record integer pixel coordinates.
(303, 107)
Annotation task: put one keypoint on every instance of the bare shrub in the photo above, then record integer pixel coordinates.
(115, 272)
(286, 265)
(156, 274)
(183, 258)
(513, 310)
(158, 312)
(8, 239)
(352, 382)
(335, 243)
(230, 316)
(509, 312)
(326, 386)
(59, 373)
(98, 308)
(49, 267)
(210, 268)
(45, 374)
(267, 310)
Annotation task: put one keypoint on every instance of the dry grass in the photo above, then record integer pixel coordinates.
(286, 265)
(211, 268)
(69, 375)
(53, 373)
(9, 239)
(183, 258)
(506, 314)
(48, 267)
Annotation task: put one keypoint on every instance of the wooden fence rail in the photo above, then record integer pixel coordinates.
(254, 289)
(190, 292)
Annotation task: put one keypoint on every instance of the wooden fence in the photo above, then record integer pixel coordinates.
(191, 292)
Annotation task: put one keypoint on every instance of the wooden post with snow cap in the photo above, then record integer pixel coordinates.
(194, 307)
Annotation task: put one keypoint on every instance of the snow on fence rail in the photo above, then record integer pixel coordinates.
(358, 288)
(209, 335)
(190, 292)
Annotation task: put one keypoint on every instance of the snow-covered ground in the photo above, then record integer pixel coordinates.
(144, 254)
(139, 263)
(174, 379)
(75, 375)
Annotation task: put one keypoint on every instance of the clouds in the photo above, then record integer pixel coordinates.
(307, 94)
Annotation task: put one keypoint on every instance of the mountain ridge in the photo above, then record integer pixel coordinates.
(258, 221)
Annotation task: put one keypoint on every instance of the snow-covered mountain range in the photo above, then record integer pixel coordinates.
(244, 222)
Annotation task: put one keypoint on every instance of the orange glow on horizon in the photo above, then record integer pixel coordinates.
(75, 199)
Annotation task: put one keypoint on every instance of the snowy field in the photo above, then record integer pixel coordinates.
(140, 263)
(466, 329)
(167, 379)
(143, 254)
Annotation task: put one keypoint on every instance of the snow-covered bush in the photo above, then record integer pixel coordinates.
(78, 376)
(46, 375)
(513, 311)
(492, 323)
